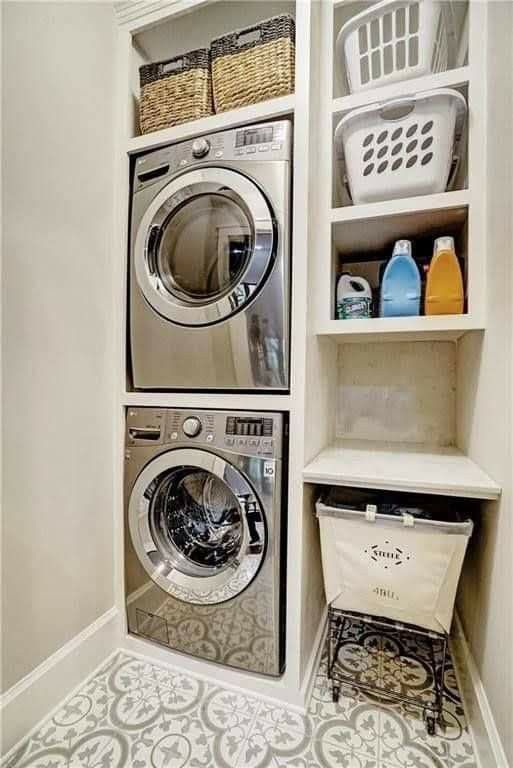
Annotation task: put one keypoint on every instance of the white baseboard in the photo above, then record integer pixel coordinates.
(487, 743)
(30, 700)
(313, 663)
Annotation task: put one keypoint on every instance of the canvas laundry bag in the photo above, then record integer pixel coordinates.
(400, 566)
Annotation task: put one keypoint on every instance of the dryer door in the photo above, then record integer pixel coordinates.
(204, 246)
(197, 526)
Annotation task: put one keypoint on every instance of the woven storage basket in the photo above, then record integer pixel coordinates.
(253, 64)
(175, 91)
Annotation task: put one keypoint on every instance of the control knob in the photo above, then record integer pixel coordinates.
(191, 426)
(200, 147)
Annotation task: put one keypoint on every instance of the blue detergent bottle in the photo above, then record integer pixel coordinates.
(400, 287)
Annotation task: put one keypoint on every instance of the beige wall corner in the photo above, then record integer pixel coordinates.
(31, 699)
(57, 564)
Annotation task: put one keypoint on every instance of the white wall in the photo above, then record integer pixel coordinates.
(57, 571)
(484, 386)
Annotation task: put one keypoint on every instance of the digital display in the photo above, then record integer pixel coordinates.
(251, 427)
(254, 136)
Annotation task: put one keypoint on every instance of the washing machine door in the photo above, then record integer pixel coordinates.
(197, 526)
(204, 246)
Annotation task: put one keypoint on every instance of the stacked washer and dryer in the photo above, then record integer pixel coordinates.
(209, 310)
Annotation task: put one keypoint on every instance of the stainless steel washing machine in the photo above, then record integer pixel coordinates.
(209, 262)
(205, 534)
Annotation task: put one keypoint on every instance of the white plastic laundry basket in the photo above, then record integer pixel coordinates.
(403, 147)
(393, 40)
(394, 566)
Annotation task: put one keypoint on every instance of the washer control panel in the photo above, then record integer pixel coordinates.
(189, 426)
(242, 432)
(251, 432)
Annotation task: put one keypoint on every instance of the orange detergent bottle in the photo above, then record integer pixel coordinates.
(444, 286)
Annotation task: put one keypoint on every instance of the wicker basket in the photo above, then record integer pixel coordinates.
(175, 91)
(253, 64)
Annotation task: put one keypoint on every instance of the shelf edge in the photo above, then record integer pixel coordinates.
(194, 400)
(466, 492)
(450, 78)
(380, 327)
(264, 110)
(405, 205)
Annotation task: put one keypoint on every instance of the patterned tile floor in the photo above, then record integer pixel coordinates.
(137, 714)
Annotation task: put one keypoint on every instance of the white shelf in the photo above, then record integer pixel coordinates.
(223, 400)
(452, 78)
(265, 110)
(444, 201)
(401, 467)
(373, 227)
(422, 328)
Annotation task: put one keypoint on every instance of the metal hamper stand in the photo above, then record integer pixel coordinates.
(341, 633)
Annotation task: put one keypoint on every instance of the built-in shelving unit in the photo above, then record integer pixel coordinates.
(350, 234)
(383, 392)
(401, 467)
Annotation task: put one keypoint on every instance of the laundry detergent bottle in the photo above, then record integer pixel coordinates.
(400, 287)
(444, 285)
(354, 298)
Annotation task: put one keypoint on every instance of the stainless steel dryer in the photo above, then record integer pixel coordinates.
(204, 534)
(209, 262)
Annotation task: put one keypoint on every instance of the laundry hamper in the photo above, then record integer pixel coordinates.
(175, 91)
(402, 147)
(400, 560)
(394, 40)
(254, 64)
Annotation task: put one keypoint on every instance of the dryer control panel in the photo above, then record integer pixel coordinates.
(255, 143)
(242, 432)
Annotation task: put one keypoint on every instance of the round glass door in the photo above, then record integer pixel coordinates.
(197, 520)
(204, 247)
(197, 526)
(217, 229)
